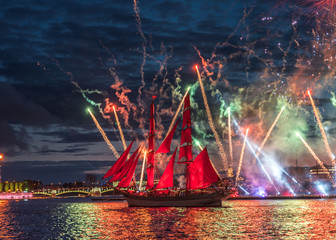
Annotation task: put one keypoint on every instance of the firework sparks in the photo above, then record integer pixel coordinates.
(241, 156)
(211, 123)
(324, 136)
(324, 8)
(104, 135)
(120, 130)
(144, 43)
(315, 157)
(268, 134)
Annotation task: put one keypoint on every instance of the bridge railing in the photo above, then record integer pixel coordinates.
(48, 191)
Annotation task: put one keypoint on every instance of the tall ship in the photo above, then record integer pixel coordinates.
(203, 185)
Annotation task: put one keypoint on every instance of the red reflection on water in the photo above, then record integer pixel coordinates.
(6, 221)
(239, 219)
(319, 218)
(118, 221)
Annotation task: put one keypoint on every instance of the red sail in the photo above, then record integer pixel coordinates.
(185, 154)
(201, 172)
(116, 167)
(166, 180)
(165, 145)
(123, 171)
(125, 182)
(151, 150)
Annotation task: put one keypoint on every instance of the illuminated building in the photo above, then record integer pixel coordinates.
(317, 173)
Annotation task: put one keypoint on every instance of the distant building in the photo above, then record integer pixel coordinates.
(318, 173)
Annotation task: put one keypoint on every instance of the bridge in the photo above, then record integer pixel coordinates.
(82, 191)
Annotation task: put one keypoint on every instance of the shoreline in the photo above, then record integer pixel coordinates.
(282, 197)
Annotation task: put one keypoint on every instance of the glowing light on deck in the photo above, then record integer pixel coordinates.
(324, 136)
(315, 157)
(104, 135)
(211, 123)
(241, 156)
(120, 129)
(268, 133)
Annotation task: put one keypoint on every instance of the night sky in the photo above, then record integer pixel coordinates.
(57, 58)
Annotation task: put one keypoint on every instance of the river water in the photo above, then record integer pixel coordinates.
(79, 218)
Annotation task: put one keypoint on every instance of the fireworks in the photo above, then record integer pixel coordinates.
(241, 155)
(142, 170)
(316, 157)
(324, 8)
(104, 135)
(251, 104)
(268, 134)
(198, 144)
(211, 123)
(262, 167)
(324, 136)
(254, 153)
(120, 129)
(177, 112)
(230, 139)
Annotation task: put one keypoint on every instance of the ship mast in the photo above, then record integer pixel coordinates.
(185, 154)
(151, 148)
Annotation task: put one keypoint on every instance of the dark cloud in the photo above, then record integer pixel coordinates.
(47, 172)
(17, 113)
(45, 150)
(16, 109)
(12, 138)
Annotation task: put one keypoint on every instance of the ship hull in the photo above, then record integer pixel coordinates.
(199, 200)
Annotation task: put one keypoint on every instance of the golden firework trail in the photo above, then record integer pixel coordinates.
(324, 136)
(120, 129)
(177, 112)
(104, 135)
(241, 156)
(267, 135)
(199, 145)
(316, 158)
(142, 170)
(211, 123)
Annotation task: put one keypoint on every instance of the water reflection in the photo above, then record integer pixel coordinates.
(83, 219)
(6, 221)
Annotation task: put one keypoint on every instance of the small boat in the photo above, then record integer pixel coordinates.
(203, 187)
